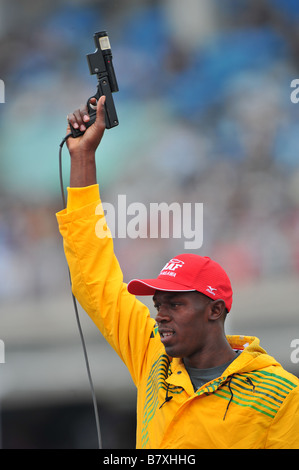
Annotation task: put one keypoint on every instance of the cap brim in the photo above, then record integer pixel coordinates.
(149, 286)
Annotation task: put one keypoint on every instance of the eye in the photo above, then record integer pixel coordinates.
(157, 306)
(174, 305)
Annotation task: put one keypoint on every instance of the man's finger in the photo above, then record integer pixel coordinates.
(100, 110)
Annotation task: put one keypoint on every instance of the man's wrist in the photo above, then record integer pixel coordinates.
(82, 156)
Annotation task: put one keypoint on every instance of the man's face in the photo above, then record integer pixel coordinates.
(182, 323)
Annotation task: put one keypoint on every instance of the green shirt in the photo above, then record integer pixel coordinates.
(199, 377)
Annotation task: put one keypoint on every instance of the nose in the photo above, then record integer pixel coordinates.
(162, 315)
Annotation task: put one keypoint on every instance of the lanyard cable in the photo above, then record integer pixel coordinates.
(76, 310)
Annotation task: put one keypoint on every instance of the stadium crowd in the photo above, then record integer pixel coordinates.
(205, 116)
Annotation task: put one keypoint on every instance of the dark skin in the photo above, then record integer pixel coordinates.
(191, 327)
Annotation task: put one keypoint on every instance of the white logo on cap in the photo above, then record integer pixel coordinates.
(171, 266)
(211, 289)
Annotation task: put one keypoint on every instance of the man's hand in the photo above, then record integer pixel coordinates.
(92, 136)
(82, 149)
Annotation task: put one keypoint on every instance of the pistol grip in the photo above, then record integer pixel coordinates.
(92, 114)
(111, 118)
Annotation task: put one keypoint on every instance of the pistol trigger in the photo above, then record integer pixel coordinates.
(91, 107)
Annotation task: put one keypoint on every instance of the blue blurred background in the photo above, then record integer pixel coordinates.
(205, 116)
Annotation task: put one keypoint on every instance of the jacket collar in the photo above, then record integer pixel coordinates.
(253, 357)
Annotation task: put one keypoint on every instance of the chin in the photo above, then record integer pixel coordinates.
(171, 352)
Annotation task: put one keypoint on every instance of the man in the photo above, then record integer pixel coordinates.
(197, 387)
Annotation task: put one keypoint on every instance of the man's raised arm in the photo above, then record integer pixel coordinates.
(97, 280)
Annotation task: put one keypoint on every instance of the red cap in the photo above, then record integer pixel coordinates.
(185, 273)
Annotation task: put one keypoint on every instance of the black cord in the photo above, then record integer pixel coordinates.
(76, 309)
(60, 168)
(167, 397)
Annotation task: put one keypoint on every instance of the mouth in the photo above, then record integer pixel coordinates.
(166, 335)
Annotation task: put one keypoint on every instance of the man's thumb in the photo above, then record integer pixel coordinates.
(101, 111)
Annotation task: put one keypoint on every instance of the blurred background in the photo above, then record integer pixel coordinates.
(205, 117)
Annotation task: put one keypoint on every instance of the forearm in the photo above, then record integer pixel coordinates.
(83, 170)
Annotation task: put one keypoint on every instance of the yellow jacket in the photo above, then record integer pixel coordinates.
(253, 405)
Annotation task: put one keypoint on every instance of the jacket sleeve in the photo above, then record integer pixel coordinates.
(97, 280)
(284, 431)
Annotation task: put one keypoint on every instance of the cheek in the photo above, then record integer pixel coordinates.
(194, 330)
(191, 323)
(191, 331)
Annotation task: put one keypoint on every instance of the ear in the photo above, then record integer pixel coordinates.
(217, 309)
